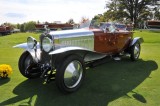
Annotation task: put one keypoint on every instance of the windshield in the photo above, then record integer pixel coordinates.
(93, 24)
(89, 24)
(85, 24)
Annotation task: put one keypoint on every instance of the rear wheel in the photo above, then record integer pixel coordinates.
(70, 74)
(135, 51)
(27, 67)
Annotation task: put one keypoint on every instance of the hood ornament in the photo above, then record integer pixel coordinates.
(47, 30)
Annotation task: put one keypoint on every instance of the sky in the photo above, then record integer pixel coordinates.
(20, 11)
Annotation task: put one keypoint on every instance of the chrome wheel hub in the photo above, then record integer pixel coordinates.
(73, 74)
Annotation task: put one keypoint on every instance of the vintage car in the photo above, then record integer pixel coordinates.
(64, 55)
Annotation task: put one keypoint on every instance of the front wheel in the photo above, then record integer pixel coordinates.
(70, 74)
(27, 67)
(135, 51)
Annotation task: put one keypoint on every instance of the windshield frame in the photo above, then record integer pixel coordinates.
(93, 24)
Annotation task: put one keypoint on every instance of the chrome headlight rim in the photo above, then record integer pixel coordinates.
(31, 42)
(47, 44)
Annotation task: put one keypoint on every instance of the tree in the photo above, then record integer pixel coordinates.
(113, 5)
(84, 19)
(157, 14)
(155, 8)
(99, 18)
(30, 26)
(18, 26)
(115, 11)
(10, 24)
(38, 22)
(22, 28)
(133, 10)
(70, 21)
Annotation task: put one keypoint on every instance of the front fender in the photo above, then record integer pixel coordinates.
(87, 54)
(136, 39)
(24, 46)
(35, 54)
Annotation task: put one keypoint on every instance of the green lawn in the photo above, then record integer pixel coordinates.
(115, 83)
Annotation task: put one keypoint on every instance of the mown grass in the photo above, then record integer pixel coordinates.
(115, 83)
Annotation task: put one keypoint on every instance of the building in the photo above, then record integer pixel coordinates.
(153, 24)
(53, 26)
(4, 30)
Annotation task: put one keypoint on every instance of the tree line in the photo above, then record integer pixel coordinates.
(126, 11)
(30, 26)
(24, 27)
(130, 11)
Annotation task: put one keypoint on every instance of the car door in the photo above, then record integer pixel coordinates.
(105, 42)
(123, 40)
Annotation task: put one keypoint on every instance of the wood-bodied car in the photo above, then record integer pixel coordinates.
(63, 55)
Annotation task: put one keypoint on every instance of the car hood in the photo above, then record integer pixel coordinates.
(71, 33)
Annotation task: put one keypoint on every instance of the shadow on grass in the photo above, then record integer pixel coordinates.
(102, 85)
(139, 97)
(4, 81)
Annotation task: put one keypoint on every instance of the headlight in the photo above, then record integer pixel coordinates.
(47, 44)
(31, 42)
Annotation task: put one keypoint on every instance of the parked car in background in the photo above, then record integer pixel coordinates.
(15, 30)
(4, 30)
(64, 55)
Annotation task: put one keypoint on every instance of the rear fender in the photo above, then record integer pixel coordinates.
(136, 39)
